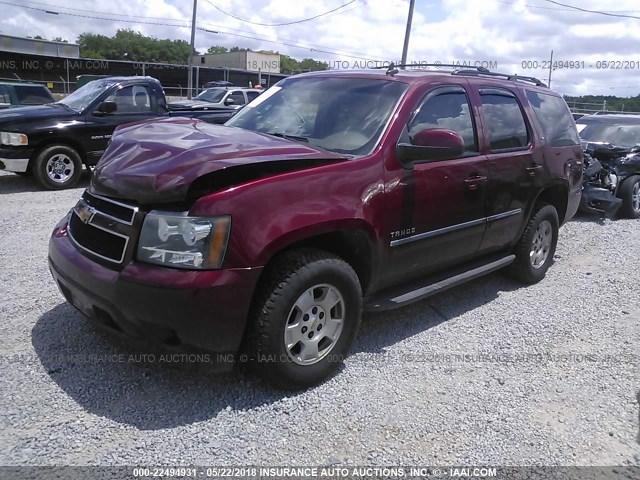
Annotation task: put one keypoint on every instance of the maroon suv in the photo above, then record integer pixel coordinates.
(330, 193)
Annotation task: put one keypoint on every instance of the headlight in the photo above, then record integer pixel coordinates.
(13, 139)
(177, 240)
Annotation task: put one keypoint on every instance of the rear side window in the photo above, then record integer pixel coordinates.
(505, 121)
(32, 95)
(449, 110)
(252, 95)
(555, 119)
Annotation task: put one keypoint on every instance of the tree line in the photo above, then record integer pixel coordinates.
(130, 45)
(600, 102)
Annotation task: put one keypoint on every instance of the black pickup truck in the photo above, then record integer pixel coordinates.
(14, 94)
(52, 142)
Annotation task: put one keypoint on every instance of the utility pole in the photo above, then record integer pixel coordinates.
(405, 49)
(550, 70)
(191, 47)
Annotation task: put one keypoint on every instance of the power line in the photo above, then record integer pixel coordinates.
(308, 46)
(597, 12)
(52, 12)
(284, 23)
(94, 11)
(329, 52)
(281, 41)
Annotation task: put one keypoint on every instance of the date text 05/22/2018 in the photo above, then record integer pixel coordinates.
(580, 64)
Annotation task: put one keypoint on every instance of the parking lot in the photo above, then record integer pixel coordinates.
(491, 373)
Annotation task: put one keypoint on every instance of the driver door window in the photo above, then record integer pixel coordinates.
(134, 103)
(5, 98)
(131, 100)
(447, 110)
(237, 97)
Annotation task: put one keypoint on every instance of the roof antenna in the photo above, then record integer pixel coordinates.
(392, 70)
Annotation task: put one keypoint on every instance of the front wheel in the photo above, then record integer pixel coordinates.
(57, 167)
(534, 253)
(630, 194)
(306, 317)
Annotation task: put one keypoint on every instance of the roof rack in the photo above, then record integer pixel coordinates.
(393, 68)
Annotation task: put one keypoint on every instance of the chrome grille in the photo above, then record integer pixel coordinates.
(109, 208)
(102, 227)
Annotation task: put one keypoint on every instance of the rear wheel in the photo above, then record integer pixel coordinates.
(534, 253)
(306, 317)
(630, 194)
(57, 167)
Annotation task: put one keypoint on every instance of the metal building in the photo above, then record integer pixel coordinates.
(32, 46)
(247, 60)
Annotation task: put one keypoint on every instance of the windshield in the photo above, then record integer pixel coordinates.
(619, 135)
(345, 115)
(213, 95)
(86, 94)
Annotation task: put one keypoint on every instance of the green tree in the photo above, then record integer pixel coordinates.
(311, 64)
(288, 64)
(127, 44)
(291, 65)
(216, 49)
(599, 102)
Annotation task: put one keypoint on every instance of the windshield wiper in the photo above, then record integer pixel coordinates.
(288, 137)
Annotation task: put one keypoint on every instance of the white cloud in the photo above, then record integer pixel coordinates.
(506, 31)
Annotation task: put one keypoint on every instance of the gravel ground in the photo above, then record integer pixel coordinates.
(551, 377)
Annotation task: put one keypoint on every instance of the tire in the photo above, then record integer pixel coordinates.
(57, 167)
(535, 250)
(297, 294)
(629, 192)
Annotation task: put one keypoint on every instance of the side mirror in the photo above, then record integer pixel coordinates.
(105, 108)
(431, 145)
(229, 101)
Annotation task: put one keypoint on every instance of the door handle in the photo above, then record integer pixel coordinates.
(533, 170)
(473, 183)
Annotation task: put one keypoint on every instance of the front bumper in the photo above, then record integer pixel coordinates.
(600, 201)
(15, 159)
(176, 309)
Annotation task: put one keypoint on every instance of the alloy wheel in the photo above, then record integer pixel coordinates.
(60, 168)
(541, 244)
(314, 324)
(635, 197)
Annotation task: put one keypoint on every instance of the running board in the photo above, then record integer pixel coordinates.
(399, 297)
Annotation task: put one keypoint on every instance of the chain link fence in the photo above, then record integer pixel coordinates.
(61, 75)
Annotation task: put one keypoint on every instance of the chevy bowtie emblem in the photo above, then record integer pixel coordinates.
(84, 212)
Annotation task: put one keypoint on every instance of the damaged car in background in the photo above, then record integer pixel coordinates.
(612, 164)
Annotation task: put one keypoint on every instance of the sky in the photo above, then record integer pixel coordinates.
(593, 53)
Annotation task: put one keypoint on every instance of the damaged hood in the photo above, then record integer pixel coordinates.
(157, 161)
